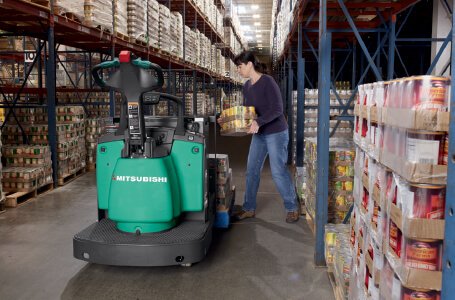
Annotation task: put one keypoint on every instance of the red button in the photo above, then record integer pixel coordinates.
(124, 56)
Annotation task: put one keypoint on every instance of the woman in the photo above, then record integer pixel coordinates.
(270, 137)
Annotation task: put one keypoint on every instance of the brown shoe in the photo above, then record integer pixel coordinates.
(244, 214)
(292, 216)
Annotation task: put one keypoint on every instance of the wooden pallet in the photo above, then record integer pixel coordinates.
(70, 177)
(122, 36)
(311, 223)
(16, 199)
(337, 291)
(43, 3)
(70, 16)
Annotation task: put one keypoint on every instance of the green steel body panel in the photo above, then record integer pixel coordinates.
(106, 160)
(188, 159)
(149, 194)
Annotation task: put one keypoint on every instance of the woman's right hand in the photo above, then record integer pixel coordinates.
(219, 120)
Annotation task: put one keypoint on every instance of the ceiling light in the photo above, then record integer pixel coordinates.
(245, 27)
(257, 23)
(256, 16)
(255, 7)
(258, 41)
(260, 45)
(241, 10)
(258, 35)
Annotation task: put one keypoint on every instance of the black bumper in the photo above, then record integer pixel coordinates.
(102, 243)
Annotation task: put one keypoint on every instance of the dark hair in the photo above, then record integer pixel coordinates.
(248, 56)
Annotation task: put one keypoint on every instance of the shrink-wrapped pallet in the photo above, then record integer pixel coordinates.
(66, 7)
(176, 34)
(121, 17)
(98, 13)
(153, 23)
(164, 32)
(137, 19)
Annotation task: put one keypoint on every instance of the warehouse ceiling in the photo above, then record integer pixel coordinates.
(256, 21)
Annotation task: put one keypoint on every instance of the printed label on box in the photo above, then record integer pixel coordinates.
(422, 151)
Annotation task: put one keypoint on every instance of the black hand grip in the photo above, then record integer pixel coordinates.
(144, 64)
(103, 65)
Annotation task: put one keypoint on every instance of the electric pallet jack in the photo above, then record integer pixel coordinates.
(155, 206)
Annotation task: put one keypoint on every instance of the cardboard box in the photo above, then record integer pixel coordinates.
(417, 228)
(414, 278)
(413, 172)
(366, 182)
(373, 270)
(416, 119)
(357, 110)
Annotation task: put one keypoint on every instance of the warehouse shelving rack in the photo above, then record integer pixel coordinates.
(21, 18)
(336, 30)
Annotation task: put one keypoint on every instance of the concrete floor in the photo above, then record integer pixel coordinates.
(261, 258)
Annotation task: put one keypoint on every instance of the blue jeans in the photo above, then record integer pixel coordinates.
(275, 145)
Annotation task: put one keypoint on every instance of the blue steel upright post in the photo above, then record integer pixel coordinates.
(289, 105)
(322, 183)
(448, 274)
(300, 100)
(51, 94)
(391, 56)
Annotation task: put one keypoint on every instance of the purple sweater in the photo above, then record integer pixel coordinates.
(265, 96)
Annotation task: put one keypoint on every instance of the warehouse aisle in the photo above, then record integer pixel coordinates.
(263, 258)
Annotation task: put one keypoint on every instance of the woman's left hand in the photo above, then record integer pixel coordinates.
(254, 128)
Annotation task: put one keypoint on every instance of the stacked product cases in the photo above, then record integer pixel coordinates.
(98, 13)
(234, 98)
(137, 20)
(27, 167)
(70, 134)
(344, 128)
(191, 45)
(154, 23)
(121, 16)
(164, 31)
(400, 176)
(94, 129)
(341, 178)
(205, 104)
(75, 7)
(70, 140)
(338, 257)
(176, 36)
(97, 103)
(220, 172)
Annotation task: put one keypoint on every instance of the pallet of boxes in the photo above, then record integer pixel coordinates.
(341, 179)
(27, 170)
(220, 178)
(397, 229)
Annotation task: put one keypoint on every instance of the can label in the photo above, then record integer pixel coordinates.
(422, 255)
(418, 295)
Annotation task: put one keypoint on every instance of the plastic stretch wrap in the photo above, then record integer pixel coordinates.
(391, 288)
(341, 178)
(75, 7)
(137, 19)
(154, 23)
(98, 13)
(176, 34)
(164, 29)
(121, 16)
